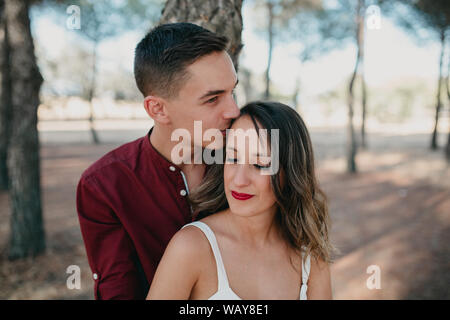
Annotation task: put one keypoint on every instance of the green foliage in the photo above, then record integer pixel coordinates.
(325, 27)
(65, 79)
(99, 20)
(102, 19)
(292, 20)
(426, 20)
(394, 102)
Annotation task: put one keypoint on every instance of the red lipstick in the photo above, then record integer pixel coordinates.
(241, 196)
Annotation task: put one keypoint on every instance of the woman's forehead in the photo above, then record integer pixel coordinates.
(244, 122)
(244, 136)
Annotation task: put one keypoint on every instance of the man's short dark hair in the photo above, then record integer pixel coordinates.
(162, 56)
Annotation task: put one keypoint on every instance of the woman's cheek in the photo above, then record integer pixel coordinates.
(227, 176)
(265, 189)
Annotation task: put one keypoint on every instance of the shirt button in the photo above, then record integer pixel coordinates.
(95, 276)
(183, 192)
(172, 168)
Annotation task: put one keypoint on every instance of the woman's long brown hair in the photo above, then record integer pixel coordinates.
(302, 206)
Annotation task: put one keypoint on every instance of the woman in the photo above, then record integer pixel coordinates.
(261, 236)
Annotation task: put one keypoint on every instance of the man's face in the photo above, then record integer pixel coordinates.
(207, 96)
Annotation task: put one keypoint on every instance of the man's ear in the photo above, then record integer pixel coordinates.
(156, 109)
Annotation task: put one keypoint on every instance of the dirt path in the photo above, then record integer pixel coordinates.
(394, 214)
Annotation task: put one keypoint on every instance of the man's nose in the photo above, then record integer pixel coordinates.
(232, 110)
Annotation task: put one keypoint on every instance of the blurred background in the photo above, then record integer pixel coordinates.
(370, 79)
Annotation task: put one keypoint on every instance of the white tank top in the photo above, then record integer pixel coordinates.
(224, 292)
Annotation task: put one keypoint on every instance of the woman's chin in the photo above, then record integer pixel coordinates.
(243, 210)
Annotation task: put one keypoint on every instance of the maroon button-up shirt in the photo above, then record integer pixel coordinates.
(130, 203)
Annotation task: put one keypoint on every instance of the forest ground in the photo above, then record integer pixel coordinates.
(394, 214)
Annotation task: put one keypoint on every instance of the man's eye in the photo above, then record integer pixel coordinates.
(212, 100)
(231, 160)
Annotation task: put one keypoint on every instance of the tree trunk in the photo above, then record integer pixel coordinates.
(434, 144)
(27, 232)
(5, 100)
(351, 139)
(447, 149)
(296, 94)
(361, 38)
(364, 113)
(92, 93)
(447, 85)
(221, 17)
(269, 59)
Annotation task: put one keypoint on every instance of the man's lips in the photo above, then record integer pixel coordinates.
(241, 196)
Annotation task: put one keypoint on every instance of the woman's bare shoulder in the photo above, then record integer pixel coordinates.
(191, 241)
(215, 221)
(319, 282)
(181, 265)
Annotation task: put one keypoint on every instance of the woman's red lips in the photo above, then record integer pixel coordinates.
(241, 196)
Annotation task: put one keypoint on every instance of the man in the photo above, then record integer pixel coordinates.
(133, 200)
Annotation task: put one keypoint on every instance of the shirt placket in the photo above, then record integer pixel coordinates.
(183, 192)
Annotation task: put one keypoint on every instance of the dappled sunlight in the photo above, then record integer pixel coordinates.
(393, 214)
(370, 83)
(399, 262)
(400, 229)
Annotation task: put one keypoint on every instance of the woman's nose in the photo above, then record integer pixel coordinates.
(241, 177)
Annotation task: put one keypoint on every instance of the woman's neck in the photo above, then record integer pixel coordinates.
(258, 230)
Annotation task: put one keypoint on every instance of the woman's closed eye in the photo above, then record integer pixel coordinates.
(257, 166)
(260, 167)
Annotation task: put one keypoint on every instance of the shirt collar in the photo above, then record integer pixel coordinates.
(157, 157)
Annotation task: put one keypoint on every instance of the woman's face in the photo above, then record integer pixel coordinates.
(248, 191)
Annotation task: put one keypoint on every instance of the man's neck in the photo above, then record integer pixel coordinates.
(162, 142)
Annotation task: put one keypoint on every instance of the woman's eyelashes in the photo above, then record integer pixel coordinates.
(257, 166)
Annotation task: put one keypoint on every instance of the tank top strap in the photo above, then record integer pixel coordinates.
(306, 267)
(221, 273)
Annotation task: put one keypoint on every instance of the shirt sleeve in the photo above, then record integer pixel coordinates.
(111, 254)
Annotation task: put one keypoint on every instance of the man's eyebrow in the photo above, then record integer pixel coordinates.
(215, 92)
(211, 93)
